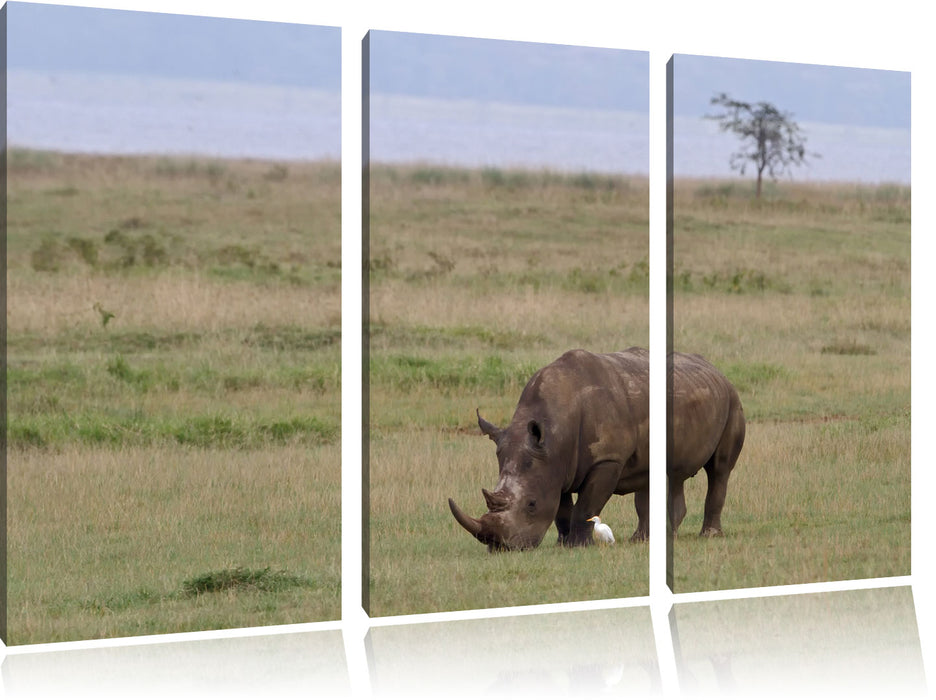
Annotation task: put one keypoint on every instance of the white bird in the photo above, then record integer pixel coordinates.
(602, 532)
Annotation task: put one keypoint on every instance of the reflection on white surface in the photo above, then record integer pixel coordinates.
(569, 655)
(860, 643)
(863, 642)
(306, 664)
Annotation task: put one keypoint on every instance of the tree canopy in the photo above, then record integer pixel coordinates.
(770, 139)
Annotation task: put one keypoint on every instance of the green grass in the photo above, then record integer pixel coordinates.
(820, 355)
(173, 393)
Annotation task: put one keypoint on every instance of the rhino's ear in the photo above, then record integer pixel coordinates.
(535, 431)
(492, 431)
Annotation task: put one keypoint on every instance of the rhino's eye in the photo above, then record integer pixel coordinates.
(531, 506)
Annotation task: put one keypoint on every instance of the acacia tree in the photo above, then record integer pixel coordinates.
(770, 139)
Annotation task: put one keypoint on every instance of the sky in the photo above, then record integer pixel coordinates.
(113, 81)
(542, 75)
(58, 37)
(855, 121)
(876, 103)
(550, 75)
(462, 101)
(827, 94)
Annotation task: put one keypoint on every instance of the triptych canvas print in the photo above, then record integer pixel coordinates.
(173, 335)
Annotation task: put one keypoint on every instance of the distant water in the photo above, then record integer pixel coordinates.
(480, 134)
(486, 134)
(85, 112)
(128, 114)
(847, 153)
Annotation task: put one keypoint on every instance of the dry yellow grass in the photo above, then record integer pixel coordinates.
(563, 317)
(179, 300)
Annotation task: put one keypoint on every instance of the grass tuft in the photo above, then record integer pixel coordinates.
(243, 579)
(228, 432)
(849, 347)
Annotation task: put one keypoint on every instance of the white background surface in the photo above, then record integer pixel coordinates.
(894, 35)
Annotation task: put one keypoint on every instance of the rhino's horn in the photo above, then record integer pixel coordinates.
(472, 525)
(489, 429)
(496, 501)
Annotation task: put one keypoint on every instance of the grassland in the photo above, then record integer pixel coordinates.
(477, 279)
(803, 300)
(174, 394)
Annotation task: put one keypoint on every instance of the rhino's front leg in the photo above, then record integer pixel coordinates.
(564, 517)
(594, 493)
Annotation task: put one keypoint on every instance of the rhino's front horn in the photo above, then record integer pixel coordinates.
(472, 525)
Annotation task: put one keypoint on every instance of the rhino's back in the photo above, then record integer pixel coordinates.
(580, 376)
(631, 364)
(702, 400)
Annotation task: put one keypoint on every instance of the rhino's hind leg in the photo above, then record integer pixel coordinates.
(714, 502)
(642, 506)
(714, 499)
(718, 469)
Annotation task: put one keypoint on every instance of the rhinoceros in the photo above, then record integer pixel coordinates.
(581, 426)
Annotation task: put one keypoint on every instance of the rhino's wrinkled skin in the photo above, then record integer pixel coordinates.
(581, 427)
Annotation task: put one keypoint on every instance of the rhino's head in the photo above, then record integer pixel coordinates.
(526, 499)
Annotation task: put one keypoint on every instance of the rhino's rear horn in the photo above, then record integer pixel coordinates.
(496, 501)
(492, 431)
(472, 525)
